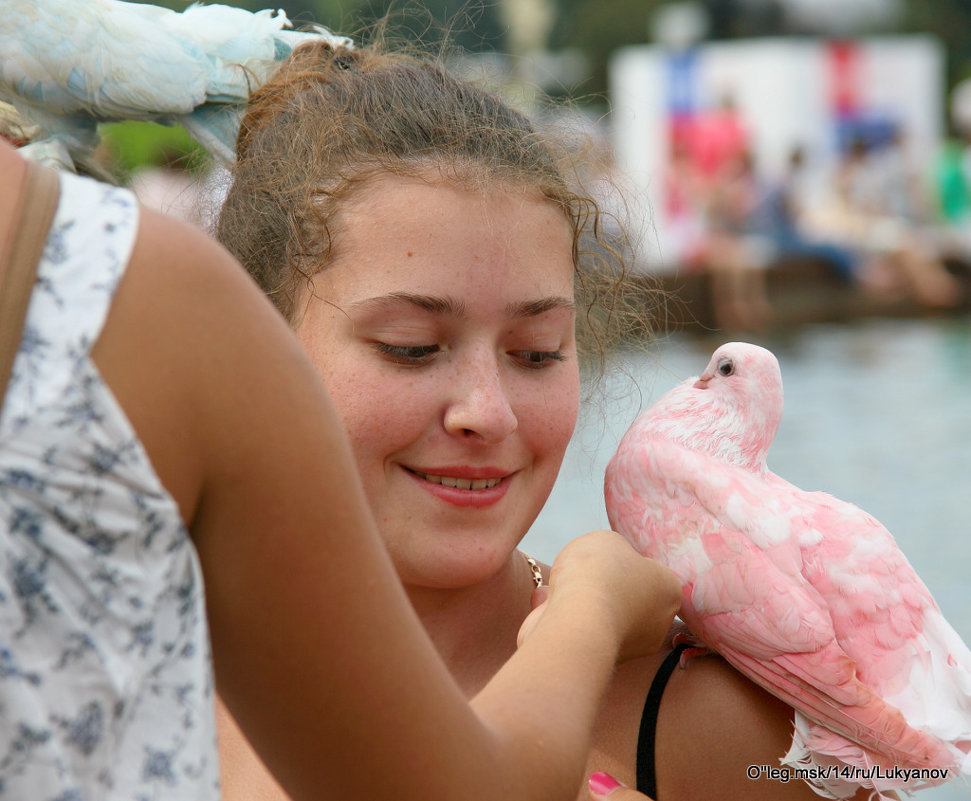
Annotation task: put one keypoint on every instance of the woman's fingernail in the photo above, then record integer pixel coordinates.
(603, 783)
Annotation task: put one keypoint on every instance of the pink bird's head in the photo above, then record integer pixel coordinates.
(731, 411)
(743, 385)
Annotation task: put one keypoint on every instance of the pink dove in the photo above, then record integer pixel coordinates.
(807, 595)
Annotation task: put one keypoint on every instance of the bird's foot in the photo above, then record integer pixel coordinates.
(694, 647)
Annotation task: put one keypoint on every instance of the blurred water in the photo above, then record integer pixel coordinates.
(877, 413)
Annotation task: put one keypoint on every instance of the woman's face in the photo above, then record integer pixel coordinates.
(444, 328)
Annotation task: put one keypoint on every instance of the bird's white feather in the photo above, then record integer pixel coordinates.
(67, 65)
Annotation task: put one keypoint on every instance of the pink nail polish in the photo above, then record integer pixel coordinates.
(603, 783)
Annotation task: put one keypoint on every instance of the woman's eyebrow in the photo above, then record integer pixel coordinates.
(533, 308)
(430, 303)
(453, 308)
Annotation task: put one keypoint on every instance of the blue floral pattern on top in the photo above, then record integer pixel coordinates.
(106, 688)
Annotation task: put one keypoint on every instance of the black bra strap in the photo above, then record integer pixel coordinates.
(646, 778)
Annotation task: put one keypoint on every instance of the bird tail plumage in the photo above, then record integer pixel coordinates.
(837, 768)
(215, 127)
(839, 747)
(243, 49)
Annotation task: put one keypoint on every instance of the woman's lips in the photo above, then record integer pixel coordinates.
(459, 483)
(463, 486)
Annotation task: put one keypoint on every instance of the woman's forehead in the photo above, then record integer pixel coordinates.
(439, 240)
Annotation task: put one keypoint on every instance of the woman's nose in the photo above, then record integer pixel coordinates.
(480, 405)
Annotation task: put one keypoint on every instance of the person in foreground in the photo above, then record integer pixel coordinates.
(163, 427)
(422, 240)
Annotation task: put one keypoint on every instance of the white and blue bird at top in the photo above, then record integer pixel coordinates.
(68, 65)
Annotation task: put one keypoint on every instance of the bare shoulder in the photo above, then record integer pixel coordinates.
(616, 734)
(713, 725)
(182, 263)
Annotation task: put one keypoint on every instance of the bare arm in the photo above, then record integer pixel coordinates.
(317, 651)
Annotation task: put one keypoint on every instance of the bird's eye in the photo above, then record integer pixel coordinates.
(726, 367)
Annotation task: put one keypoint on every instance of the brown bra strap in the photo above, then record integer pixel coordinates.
(18, 271)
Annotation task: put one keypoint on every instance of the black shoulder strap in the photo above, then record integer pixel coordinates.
(646, 777)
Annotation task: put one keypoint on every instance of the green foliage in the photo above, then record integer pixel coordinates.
(130, 145)
(949, 21)
(338, 15)
(597, 28)
(471, 25)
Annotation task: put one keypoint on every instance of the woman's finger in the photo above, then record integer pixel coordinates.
(604, 785)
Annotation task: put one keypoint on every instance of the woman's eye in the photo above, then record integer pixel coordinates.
(538, 358)
(407, 354)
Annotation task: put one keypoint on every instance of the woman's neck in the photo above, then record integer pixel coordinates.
(474, 628)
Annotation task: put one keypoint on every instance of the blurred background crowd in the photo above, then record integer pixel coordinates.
(732, 139)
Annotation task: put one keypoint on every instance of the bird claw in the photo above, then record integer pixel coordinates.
(694, 647)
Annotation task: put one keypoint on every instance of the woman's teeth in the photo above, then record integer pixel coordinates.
(460, 483)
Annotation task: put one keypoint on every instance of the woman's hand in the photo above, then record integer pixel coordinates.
(635, 596)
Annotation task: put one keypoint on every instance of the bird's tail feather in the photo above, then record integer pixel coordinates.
(215, 127)
(880, 730)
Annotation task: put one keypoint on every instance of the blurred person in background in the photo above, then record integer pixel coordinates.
(876, 208)
(779, 213)
(737, 252)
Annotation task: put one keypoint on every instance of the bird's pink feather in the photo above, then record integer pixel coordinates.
(807, 595)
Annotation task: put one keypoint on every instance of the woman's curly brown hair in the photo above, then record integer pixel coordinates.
(331, 118)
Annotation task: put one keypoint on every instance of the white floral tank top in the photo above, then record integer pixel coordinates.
(105, 673)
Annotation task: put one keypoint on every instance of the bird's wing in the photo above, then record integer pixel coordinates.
(877, 601)
(886, 618)
(721, 532)
(117, 60)
(68, 64)
(737, 540)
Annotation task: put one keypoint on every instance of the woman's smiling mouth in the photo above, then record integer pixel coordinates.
(458, 483)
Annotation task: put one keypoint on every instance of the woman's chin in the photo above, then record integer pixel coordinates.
(453, 568)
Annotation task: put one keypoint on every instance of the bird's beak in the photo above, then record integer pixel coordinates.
(703, 379)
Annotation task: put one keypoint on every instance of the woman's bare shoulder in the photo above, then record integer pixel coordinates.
(713, 724)
(615, 737)
(716, 730)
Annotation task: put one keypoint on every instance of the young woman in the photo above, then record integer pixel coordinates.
(163, 430)
(420, 237)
